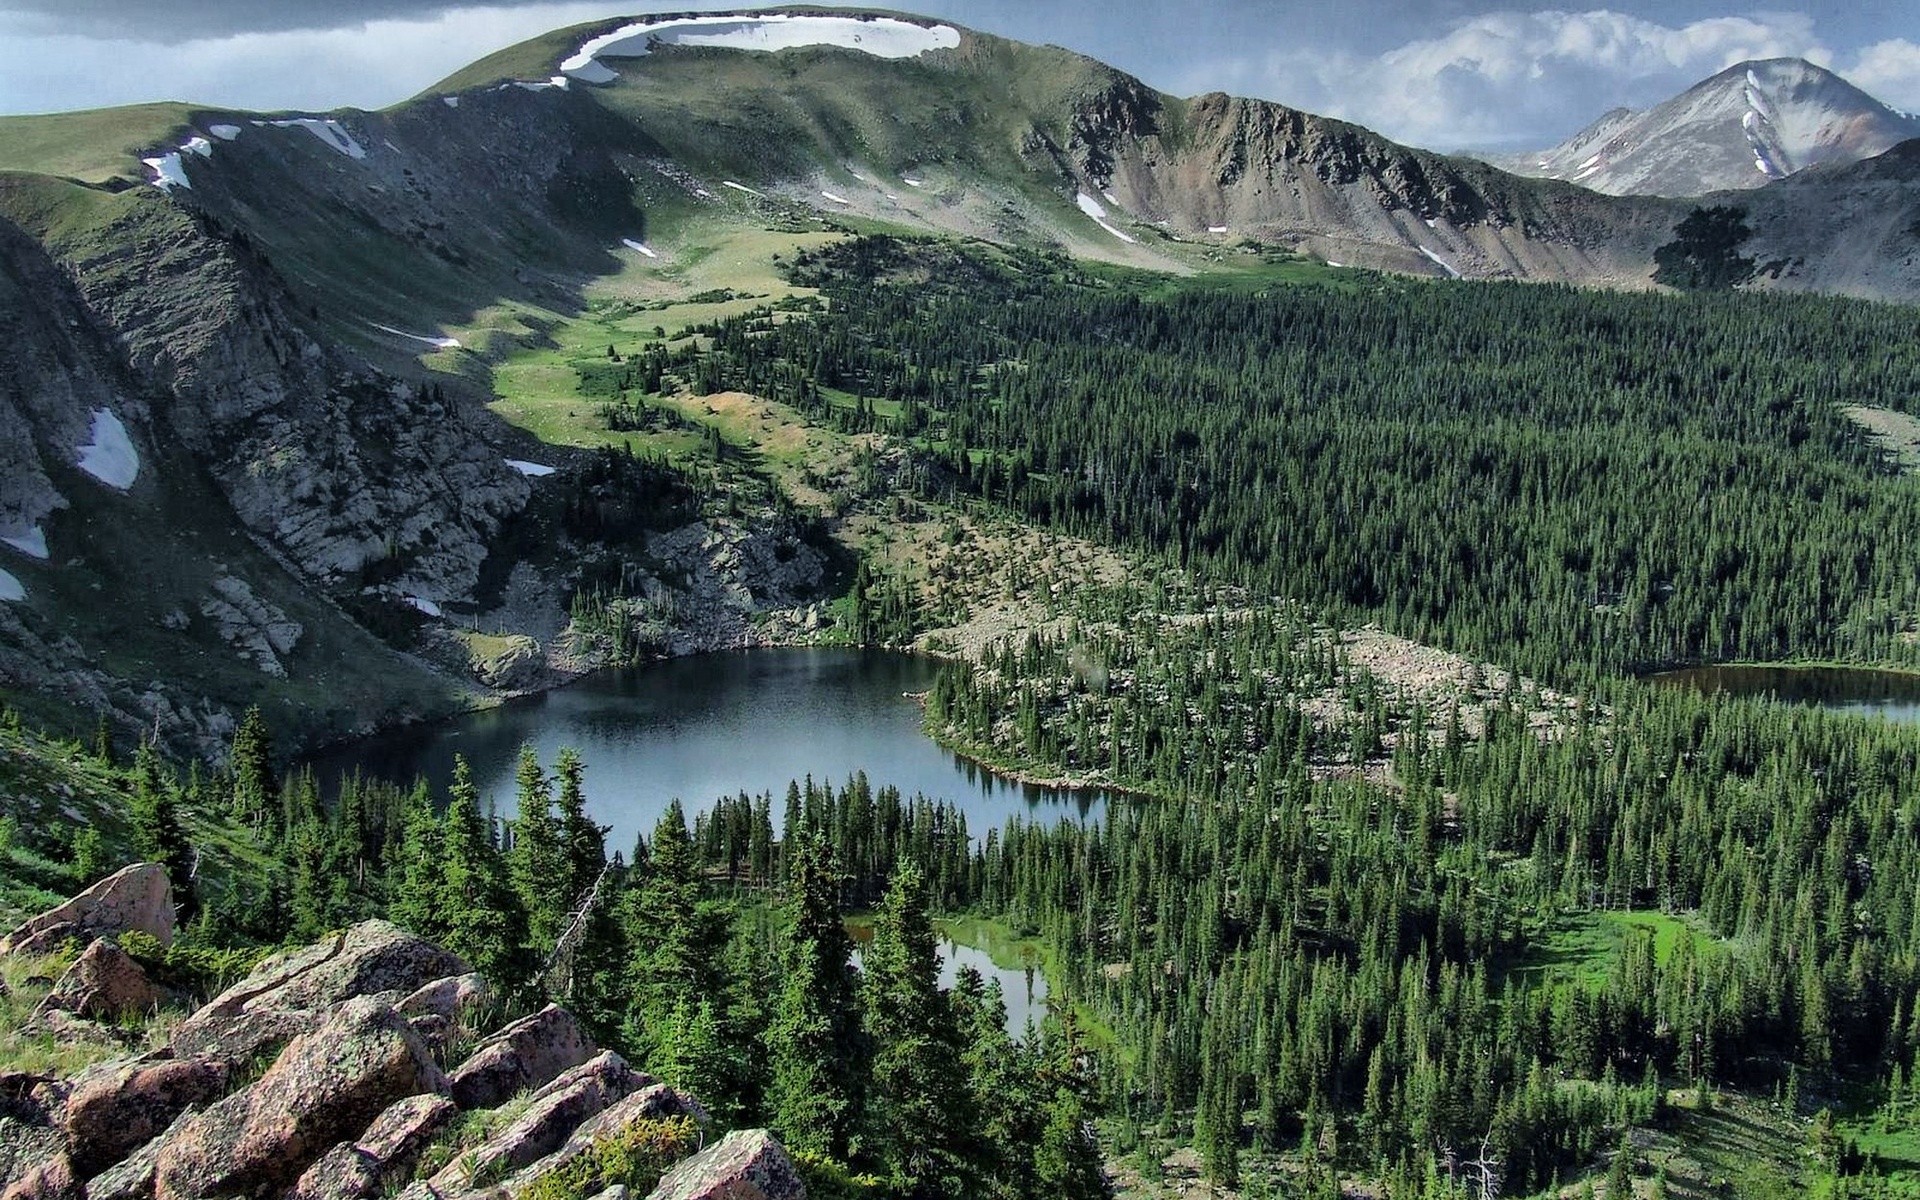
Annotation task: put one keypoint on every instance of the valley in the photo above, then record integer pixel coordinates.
(675, 500)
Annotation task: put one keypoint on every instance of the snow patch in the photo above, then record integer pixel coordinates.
(443, 343)
(423, 604)
(1216, 229)
(1431, 223)
(893, 197)
(642, 247)
(198, 145)
(450, 101)
(1443, 264)
(532, 470)
(912, 183)
(1332, 263)
(1111, 199)
(834, 198)
(883, 37)
(11, 588)
(738, 187)
(32, 543)
(1753, 80)
(1589, 164)
(1090, 206)
(225, 133)
(110, 456)
(328, 131)
(168, 171)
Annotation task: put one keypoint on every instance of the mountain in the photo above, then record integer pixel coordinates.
(257, 360)
(1752, 123)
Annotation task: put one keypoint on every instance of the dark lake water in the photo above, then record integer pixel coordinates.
(1894, 695)
(716, 725)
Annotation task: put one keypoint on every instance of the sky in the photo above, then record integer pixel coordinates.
(1447, 74)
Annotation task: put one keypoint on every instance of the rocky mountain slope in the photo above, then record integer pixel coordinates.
(1746, 126)
(371, 1064)
(233, 405)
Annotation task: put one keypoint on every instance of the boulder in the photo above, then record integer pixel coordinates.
(526, 1054)
(135, 897)
(50, 1179)
(749, 1164)
(384, 1153)
(128, 1180)
(104, 983)
(453, 997)
(326, 1087)
(652, 1101)
(27, 1150)
(286, 995)
(553, 1114)
(116, 1108)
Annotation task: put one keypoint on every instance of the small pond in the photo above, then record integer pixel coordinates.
(1894, 695)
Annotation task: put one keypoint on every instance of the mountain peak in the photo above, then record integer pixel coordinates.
(1743, 127)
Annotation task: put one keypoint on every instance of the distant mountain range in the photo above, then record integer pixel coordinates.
(1747, 126)
(216, 412)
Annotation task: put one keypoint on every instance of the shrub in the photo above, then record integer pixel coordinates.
(636, 1157)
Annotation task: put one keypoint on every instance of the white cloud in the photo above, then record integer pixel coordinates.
(366, 66)
(1891, 71)
(1521, 79)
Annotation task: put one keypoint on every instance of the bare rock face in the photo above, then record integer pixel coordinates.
(135, 897)
(105, 982)
(50, 1179)
(529, 1053)
(749, 1164)
(260, 632)
(116, 1108)
(325, 1087)
(361, 1170)
(556, 1111)
(286, 995)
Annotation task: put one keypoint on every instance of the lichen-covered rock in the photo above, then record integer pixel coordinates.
(103, 983)
(383, 1154)
(325, 1087)
(115, 1108)
(50, 1179)
(131, 1179)
(648, 1102)
(285, 995)
(135, 897)
(526, 1054)
(552, 1116)
(749, 1164)
(26, 1147)
(452, 997)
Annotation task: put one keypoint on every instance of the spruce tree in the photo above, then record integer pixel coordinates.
(157, 832)
(256, 793)
(482, 917)
(815, 1042)
(536, 861)
(918, 1114)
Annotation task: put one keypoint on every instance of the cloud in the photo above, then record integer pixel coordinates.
(370, 65)
(1891, 71)
(172, 21)
(1525, 78)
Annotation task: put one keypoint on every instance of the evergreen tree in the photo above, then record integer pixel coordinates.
(918, 1114)
(256, 793)
(815, 1043)
(480, 912)
(537, 861)
(157, 832)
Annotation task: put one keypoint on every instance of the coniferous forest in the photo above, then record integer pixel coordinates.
(1445, 948)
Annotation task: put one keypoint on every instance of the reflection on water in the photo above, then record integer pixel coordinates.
(1024, 989)
(718, 725)
(1894, 695)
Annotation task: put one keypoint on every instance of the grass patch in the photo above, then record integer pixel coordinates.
(1581, 948)
(93, 146)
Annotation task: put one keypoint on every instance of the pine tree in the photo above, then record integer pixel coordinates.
(256, 793)
(918, 1118)
(536, 861)
(815, 1042)
(673, 941)
(416, 894)
(1068, 1162)
(480, 911)
(157, 832)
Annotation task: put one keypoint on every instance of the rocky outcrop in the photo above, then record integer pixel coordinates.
(116, 1108)
(132, 898)
(527, 1054)
(746, 1165)
(104, 983)
(352, 1105)
(554, 1112)
(286, 995)
(362, 1169)
(326, 1086)
(261, 633)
